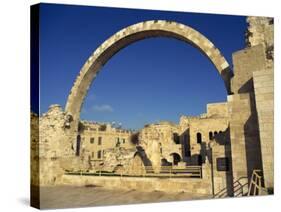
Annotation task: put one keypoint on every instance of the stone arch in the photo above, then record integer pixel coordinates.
(133, 33)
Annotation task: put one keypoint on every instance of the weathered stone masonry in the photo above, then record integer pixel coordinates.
(243, 124)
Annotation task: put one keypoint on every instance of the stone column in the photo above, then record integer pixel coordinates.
(264, 92)
(240, 113)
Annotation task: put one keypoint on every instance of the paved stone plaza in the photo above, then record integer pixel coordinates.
(71, 197)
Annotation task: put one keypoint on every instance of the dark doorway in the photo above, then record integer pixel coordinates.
(210, 135)
(176, 158)
(78, 143)
(176, 138)
(200, 160)
(199, 138)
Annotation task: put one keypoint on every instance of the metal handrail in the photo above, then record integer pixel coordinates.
(155, 171)
(237, 185)
(256, 183)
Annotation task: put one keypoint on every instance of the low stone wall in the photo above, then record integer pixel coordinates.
(189, 185)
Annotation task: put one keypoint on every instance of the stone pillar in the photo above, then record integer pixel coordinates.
(240, 113)
(244, 129)
(261, 33)
(219, 176)
(207, 178)
(264, 92)
(222, 168)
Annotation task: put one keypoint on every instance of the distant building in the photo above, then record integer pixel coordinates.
(97, 138)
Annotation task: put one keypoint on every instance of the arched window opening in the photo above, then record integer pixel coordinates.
(215, 133)
(210, 135)
(220, 131)
(199, 138)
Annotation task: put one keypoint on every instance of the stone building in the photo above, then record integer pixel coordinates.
(187, 142)
(96, 139)
(231, 142)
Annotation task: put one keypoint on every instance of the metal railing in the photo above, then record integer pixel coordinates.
(238, 189)
(256, 187)
(148, 171)
(242, 189)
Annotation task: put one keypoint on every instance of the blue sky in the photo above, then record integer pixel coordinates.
(150, 80)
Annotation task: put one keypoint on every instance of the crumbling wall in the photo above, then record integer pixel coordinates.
(158, 142)
(117, 157)
(261, 32)
(219, 109)
(56, 152)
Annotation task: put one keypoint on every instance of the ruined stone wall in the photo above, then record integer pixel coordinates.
(117, 159)
(219, 109)
(261, 32)
(136, 166)
(158, 142)
(55, 146)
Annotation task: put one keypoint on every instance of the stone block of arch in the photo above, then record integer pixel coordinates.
(131, 34)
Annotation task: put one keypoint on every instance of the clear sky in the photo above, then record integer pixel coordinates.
(150, 80)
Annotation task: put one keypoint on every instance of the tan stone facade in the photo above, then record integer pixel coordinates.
(228, 142)
(97, 139)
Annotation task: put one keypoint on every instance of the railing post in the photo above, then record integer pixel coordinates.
(259, 188)
(255, 184)
(170, 171)
(250, 187)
